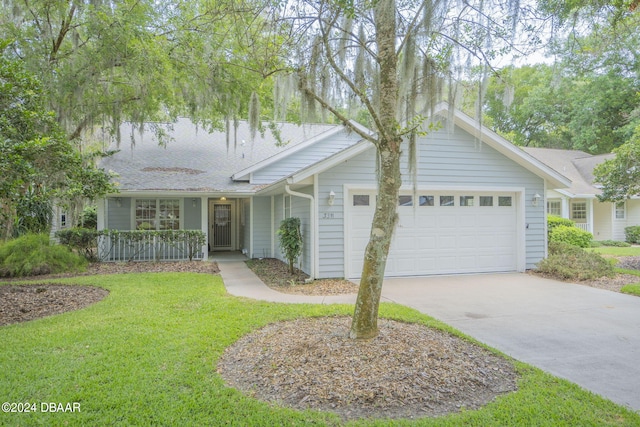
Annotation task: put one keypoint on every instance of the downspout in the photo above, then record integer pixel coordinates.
(312, 220)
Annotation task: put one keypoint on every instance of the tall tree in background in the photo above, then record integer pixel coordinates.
(102, 62)
(388, 63)
(37, 162)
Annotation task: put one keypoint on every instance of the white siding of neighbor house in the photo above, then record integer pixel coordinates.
(603, 220)
(446, 160)
(303, 158)
(632, 218)
(261, 228)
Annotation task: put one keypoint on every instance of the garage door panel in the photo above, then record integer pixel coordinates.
(442, 239)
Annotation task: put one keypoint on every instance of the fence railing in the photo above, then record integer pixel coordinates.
(583, 226)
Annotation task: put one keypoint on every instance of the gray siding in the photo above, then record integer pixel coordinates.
(303, 158)
(119, 217)
(192, 219)
(445, 159)
(261, 227)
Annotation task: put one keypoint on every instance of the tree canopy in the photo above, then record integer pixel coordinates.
(36, 158)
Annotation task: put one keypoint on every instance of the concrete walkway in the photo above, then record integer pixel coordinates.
(586, 335)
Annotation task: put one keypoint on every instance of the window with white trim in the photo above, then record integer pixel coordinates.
(579, 210)
(157, 214)
(554, 207)
(621, 210)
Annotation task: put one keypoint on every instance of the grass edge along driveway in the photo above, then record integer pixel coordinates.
(146, 355)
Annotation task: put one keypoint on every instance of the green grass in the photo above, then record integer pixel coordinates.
(616, 251)
(146, 355)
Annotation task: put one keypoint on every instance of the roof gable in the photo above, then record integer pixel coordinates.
(576, 165)
(470, 126)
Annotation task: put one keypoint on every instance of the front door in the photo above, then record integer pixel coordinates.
(221, 236)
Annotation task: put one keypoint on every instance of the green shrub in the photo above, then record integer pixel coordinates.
(571, 235)
(569, 262)
(33, 254)
(554, 221)
(632, 234)
(290, 240)
(615, 243)
(82, 240)
(89, 217)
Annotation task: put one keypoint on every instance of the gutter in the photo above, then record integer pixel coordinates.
(312, 226)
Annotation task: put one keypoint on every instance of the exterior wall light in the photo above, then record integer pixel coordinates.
(536, 199)
(332, 197)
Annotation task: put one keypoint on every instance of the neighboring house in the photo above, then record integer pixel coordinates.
(475, 206)
(579, 202)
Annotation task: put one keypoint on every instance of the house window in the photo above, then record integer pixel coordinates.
(579, 210)
(621, 211)
(554, 207)
(157, 214)
(360, 200)
(63, 220)
(405, 201)
(486, 200)
(426, 200)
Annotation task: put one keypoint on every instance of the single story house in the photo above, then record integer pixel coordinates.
(579, 202)
(475, 205)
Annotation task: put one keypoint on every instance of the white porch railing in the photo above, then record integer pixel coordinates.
(583, 226)
(135, 246)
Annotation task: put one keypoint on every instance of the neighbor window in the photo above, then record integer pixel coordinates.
(157, 214)
(620, 210)
(579, 210)
(554, 207)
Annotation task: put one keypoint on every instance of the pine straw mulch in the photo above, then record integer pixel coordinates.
(275, 274)
(407, 371)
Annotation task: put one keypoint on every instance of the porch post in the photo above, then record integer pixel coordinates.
(590, 215)
(204, 224)
(565, 207)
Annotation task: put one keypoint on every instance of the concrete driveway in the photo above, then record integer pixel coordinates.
(586, 335)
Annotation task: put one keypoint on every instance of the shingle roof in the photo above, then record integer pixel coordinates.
(576, 165)
(197, 160)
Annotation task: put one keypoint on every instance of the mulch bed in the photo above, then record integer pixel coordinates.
(407, 371)
(20, 303)
(275, 274)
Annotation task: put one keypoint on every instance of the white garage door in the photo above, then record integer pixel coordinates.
(440, 233)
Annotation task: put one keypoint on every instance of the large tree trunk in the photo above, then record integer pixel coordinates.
(365, 316)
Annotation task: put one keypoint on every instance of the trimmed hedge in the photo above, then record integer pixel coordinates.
(571, 235)
(632, 234)
(33, 254)
(554, 221)
(85, 241)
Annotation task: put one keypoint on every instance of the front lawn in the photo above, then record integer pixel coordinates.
(146, 355)
(617, 251)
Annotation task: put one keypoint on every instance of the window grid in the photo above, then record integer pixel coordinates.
(554, 207)
(579, 210)
(157, 214)
(620, 210)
